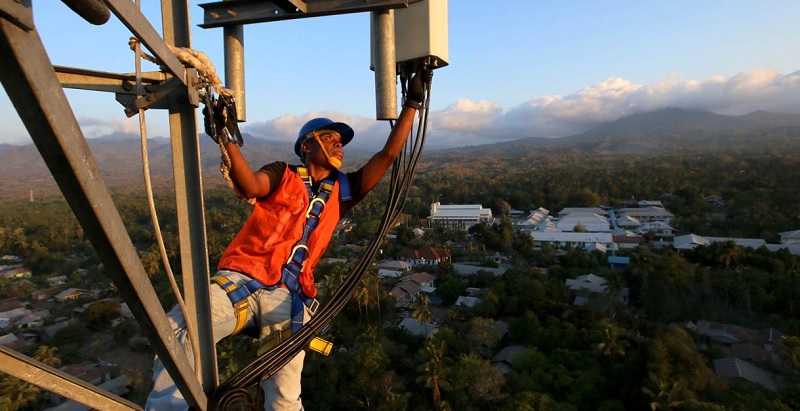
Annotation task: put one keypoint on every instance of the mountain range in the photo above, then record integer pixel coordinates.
(670, 131)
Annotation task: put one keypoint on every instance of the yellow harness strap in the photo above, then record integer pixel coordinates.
(238, 297)
(239, 304)
(317, 344)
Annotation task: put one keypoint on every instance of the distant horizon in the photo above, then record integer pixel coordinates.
(359, 146)
(545, 69)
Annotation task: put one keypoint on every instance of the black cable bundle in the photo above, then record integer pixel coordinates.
(234, 391)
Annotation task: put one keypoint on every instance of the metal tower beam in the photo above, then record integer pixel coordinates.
(61, 383)
(33, 87)
(225, 13)
(189, 204)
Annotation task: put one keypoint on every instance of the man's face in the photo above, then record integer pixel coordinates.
(330, 138)
(325, 141)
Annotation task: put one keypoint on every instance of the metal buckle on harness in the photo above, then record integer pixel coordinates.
(313, 305)
(311, 206)
(294, 250)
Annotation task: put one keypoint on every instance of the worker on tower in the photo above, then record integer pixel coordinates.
(265, 277)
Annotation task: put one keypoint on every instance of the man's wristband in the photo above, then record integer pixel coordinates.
(413, 104)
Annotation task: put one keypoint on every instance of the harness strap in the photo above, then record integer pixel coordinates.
(344, 187)
(238, 297)
(294, 265)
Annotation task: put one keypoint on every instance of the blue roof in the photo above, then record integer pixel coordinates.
(614, 259)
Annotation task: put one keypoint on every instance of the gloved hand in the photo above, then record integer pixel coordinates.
(218, 117)
(416, 87)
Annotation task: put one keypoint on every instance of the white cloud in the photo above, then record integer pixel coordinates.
(557, 116)
(468, 122)
(128, 125)
(94, 127)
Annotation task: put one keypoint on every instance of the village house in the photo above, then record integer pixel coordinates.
(56, 281)
(393, 268)
(415, 327)
(70, 294)
(105, 377)
(657, 228)
(647, 214)
(504, 360)
(410, 286)
(570, 239)
(424, 256)
(587, 285)
(750, 351)
(15, 271)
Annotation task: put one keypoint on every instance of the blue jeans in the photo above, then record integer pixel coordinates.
(270, 311)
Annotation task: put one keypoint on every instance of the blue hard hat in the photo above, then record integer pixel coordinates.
(322, 123)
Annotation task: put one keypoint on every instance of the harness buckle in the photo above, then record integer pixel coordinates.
(313, 305)
(311, 207)
(294, 251)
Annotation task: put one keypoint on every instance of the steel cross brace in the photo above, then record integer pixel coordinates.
(238, 12)
(33, 87)
(61, 383)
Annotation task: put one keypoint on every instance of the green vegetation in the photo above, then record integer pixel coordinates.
(607, 356)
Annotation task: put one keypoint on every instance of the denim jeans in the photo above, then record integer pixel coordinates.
(270, 311)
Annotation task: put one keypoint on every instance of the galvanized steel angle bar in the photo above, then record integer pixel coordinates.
(61, 383)
(140, 27)
(238, 12)
(34, 89)
(18, 12)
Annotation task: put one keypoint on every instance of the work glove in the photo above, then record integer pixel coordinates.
(416, 87)
(218, 117)
(225, 126)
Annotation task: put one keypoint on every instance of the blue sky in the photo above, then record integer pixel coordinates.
(517, 68)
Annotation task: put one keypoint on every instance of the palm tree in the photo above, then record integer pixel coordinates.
(434, 371)
(612, 346)
(48, 355)
(17, 394)
(666, 395)
(151, 260)
(729, 253)
(422, 312)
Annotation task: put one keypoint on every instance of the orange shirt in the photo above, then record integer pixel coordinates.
(265, 242)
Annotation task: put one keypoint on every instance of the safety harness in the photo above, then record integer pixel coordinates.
(290, 271)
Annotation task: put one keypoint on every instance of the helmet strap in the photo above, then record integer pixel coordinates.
(333, 161)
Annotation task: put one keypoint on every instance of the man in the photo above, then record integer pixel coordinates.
(265, 277)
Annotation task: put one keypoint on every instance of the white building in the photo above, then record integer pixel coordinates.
(461, 216)
(658, 228)
(590, 221)
(790, 237)
(648, 214)
(690, 241)
(534, 219)
(579, 240)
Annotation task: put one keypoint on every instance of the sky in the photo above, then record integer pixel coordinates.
(517, 68)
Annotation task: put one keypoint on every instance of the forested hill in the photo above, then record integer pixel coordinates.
(670, 131)
(663, 132)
